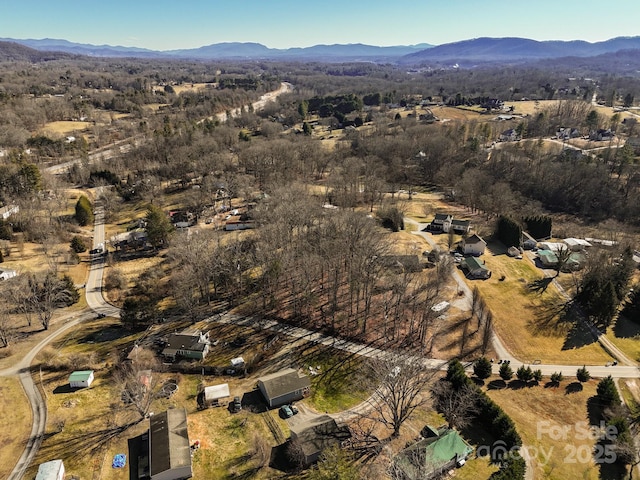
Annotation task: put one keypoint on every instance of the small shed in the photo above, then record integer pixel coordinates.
(217, 395)
(283, 387)
(81, 378)
(53, 470)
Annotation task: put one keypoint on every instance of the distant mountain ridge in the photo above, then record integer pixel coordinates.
(466, 52)
(487, 49)
(230, 50)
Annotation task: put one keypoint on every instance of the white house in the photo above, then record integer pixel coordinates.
(474, 245)
(81, 378)
(577, 244)
(6, 274)
(53, 470)
(441, 223)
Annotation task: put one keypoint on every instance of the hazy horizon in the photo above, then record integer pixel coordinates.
(164, 25)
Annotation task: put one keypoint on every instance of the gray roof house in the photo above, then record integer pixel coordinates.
(169, 448)
(195, 346)
(318, 434)
(284, 387)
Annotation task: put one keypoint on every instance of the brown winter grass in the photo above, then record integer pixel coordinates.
(64, 128)
(528, 322)
(625, 334)
(529, 406)
(15, 413)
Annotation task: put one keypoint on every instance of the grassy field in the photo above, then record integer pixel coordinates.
(16, 413)
(529, 322)
(536, 410)
(625, 334)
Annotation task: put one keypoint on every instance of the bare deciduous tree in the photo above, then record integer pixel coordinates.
(458, 406)
(401, 384)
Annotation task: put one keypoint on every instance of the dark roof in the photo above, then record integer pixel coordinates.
(284, 382)
(183, 342)
(461, 223)
(473, 264)
(442, 217)
(475, 238)
(319, 433)
(169, 441)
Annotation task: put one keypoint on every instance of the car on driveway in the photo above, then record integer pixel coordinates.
(236, 406)
(286, 412)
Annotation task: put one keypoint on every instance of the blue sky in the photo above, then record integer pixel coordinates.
(166, 25)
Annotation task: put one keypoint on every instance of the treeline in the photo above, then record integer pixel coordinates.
(458, 396)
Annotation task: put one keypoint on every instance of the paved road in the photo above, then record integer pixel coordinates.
(96, 304)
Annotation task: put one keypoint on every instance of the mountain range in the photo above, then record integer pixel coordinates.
(467, 52)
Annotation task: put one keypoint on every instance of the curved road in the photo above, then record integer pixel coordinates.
(96, 304)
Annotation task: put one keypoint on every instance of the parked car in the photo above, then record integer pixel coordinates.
(286, 412)
(294, 409)
(236, 406)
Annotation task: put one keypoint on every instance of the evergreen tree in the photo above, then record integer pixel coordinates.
(482, 368)
(78, 245)
(158, 226)
(607, 392)
(456, 375)
(84, 211)
(506, 373)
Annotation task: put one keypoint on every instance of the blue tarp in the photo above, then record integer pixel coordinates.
(119, 460)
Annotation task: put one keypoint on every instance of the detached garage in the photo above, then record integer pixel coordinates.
(81, 378)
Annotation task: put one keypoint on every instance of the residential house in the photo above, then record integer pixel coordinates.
(474, 268)
(318, 434)
(167, 453)
(53, 470)
(81, 379)
(461, 227)
(194, 346)
(553, 246)
(509, 136)
(567, 133)
(217, 395)
(548, 258)
(284, 387)
(473, 245)
(601, 135)
(6, 274)
(576, 244)
(433, 456)
(441, 223)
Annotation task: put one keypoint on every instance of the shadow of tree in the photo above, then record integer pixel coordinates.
(497, 385)
(540, 285)
(573, 387)
(625, 328)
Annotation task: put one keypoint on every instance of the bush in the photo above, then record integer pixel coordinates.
(557, 377)
(537, 375)
(78, 245)
(524, 374)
